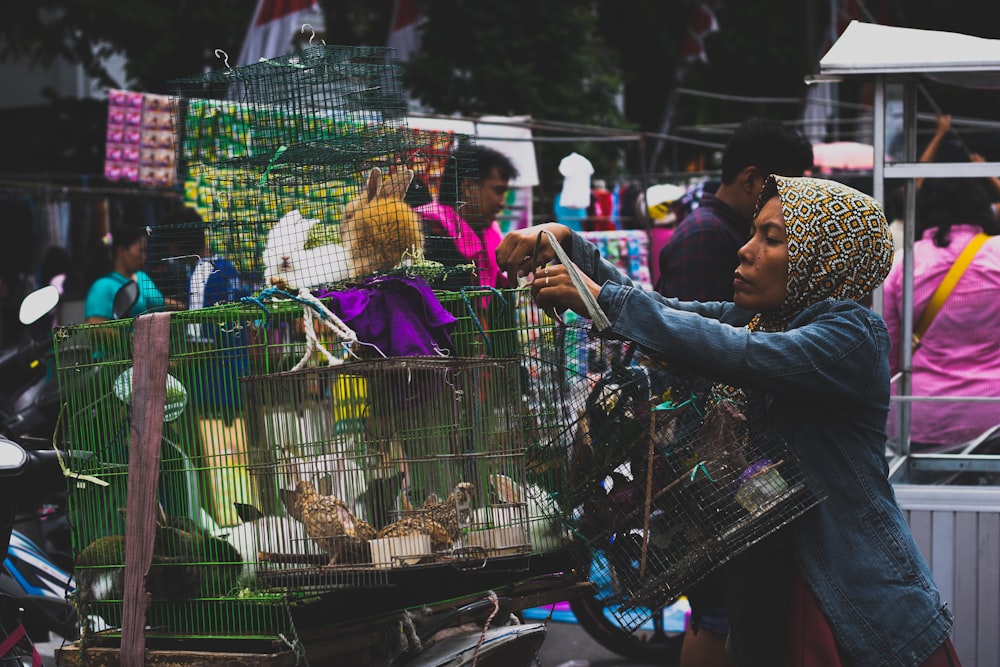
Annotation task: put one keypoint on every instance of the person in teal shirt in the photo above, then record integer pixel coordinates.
(128, 256)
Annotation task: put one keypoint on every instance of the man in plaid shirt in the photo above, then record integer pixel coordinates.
(698, 261)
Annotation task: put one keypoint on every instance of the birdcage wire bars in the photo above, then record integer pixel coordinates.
(655, 471)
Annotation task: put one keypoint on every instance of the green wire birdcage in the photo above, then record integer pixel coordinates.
(415, 454)
(229, 561)
(202, 576)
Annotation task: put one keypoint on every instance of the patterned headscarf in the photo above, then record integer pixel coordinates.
(839, 247)
(839, 244)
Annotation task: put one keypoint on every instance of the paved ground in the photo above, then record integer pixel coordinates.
(564, 644)
(47, 650)
(567, 642)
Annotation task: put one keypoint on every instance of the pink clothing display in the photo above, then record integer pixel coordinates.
(959, 354)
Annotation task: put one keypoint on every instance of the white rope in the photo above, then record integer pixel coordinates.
(343, 332)
(410, 632)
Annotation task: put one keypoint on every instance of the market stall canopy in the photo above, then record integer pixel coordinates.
(947, 57)
(837, 155)
(507, 134)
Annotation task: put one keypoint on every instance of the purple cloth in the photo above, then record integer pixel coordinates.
(399, 315)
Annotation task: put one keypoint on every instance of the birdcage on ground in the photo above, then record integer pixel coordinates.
(300, 166)
(660, 474)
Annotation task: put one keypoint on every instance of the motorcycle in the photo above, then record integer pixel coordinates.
(37, 571)
(29, 394)
(32, 589)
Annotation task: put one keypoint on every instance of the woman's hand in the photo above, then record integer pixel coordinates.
(943, 124)
(516, 252)
(552, 288)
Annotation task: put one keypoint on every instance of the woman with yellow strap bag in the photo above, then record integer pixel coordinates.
(956, 351)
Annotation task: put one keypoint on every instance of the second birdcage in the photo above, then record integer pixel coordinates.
(662, 475)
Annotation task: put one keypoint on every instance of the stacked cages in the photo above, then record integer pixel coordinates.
(305, 174)
(662, 475)
(391, 438)
(299, 166)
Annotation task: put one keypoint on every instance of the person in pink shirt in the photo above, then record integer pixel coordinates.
(460, 228)
(959, 354)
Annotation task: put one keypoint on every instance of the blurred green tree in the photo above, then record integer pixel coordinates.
(540, 58)
(160, 40)
(609, 63)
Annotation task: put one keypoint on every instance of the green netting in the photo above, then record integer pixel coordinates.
(202, 575)
(480, 415)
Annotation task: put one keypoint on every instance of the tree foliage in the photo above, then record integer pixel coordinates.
(357, 22)
(161, 40)
(600, 62)
(540, 58)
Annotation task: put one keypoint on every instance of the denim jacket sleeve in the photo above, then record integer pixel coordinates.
(588, 258)
(834, 349)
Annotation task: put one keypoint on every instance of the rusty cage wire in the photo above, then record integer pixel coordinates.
(653, 471)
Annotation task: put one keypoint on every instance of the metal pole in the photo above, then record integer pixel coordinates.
(909, 227)
(878, 165)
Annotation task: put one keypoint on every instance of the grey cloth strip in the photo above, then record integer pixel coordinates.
(149, 389)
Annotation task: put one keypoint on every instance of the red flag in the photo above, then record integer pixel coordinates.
(274, 27)
(404, 35)
(701, 23)
(847, 11)
(842, 12)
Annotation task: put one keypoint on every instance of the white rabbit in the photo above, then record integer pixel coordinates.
(267, 534)
(288, 264)
(288, 234)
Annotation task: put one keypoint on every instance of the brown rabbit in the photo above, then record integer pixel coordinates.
(379, 228)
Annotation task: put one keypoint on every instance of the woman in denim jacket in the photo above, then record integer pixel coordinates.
(845, 584)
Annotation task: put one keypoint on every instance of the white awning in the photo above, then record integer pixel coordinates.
(952, 58)
(507, 134)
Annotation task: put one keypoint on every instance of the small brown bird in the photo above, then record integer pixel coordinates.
(442, 521)
(329, 523)
(454, 512)
(719, 443)
(419, 525)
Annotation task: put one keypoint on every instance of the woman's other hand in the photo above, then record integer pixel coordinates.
(552, 288)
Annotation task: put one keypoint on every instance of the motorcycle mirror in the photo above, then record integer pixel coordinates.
(12, 457)
(38, 304)
(125, 299)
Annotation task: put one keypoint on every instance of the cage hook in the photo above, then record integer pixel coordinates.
(219, 53)
(312, 35)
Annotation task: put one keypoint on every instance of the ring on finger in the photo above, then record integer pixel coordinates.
(546, 280)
